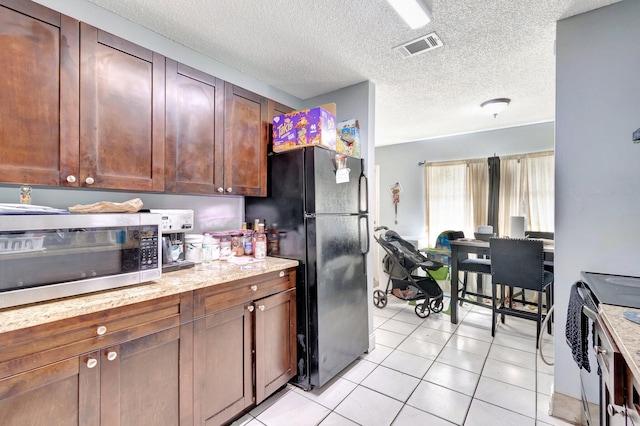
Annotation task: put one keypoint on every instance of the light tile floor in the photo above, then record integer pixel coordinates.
(429, 372)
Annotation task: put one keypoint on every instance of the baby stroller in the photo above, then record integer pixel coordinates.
(402, 262)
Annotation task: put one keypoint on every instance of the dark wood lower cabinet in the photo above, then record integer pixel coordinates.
(140, 381)
(44, 396)
(206, 371)
(223, 368)
(275, 342)
(224, 372)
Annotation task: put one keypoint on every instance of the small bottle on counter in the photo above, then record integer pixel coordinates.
(260, 249)
(273, 241)
(247, 237)
(207, 249)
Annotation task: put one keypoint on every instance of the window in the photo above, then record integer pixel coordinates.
(457, 194)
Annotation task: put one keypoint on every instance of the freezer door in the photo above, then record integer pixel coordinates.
(323, 193)
(338, 294)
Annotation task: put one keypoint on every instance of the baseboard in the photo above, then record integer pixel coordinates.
(568, 408)
(372, 342)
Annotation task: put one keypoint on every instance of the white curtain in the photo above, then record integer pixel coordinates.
(456, 196)
(538, 190)
(510, 201)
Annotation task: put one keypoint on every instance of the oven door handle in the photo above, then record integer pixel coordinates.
(590, 313)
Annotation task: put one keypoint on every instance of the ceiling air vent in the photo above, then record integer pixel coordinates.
(420, 45)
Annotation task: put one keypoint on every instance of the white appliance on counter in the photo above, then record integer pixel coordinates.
(49, 256)
(175, 223)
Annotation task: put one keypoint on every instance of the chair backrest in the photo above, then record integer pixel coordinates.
(517, 262)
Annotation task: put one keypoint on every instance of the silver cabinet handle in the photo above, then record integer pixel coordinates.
(101, 330)
(89, 180)
(229, 190)
(250, 308)
(220, 190)
(254, 288)
(261, 307)
(71, 179)
(111, 355)
(92, 362)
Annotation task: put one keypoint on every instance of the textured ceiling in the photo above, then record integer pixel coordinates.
(492, 49)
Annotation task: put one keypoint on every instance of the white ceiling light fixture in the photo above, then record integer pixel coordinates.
(495, 106)
(414, 12)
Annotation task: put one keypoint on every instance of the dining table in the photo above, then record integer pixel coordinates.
(461, 248)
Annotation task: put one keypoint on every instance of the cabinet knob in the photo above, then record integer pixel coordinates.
(600, 351)
(101, 330)
(250, 308)
(229, 190)
(111, 355)
(261, 307)
(254, 288)
(92, 362)
(612, 410)
(89, 180)
(281, 274)
(71, 179)
(220, 189)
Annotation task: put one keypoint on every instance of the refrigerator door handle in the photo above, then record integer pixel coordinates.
(363, 185)
(366, 234)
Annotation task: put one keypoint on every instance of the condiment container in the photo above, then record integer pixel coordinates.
(193, 247)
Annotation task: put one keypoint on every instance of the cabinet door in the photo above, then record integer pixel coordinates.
(195, 131)
(276, 108)
(275, 342)
(49, 395)
(245, 142)
(222, 365)
(38, 94)
(121, 113)
(140, 381)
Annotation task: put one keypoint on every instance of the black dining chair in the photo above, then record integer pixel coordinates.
(468, 265)
(518, 263)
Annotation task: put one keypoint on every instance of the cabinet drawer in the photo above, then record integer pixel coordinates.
(43, 344)
(222, 296)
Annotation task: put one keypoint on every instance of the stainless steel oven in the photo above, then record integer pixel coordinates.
(612, 290)
(50, 256)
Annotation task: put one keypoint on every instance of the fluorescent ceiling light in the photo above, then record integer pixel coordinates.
(415, 13)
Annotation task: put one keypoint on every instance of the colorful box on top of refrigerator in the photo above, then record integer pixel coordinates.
(348, 138)
(314, 126)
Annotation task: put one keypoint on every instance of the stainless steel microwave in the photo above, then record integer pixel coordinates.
(50, 256)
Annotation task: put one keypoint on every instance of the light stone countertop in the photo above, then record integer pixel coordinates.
(171, 283)
(625, 333)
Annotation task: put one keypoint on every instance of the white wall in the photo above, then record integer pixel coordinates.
(597, 168)
(399, 163)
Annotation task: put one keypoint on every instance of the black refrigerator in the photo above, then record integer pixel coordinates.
(318, 199)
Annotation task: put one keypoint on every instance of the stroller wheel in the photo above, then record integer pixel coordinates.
(379, 299)
(436, 305)
(422, 310)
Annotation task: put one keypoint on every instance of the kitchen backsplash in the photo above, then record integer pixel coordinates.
(212, 213)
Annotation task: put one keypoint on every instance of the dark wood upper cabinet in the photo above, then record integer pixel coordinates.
(195, 131)
(122, 120)
(245, 142)
(38, 94)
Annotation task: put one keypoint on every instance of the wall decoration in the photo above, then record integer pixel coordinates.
(395, 192)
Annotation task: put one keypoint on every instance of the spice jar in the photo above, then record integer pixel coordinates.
(237, 244)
